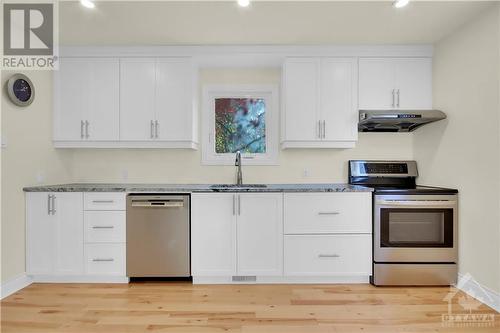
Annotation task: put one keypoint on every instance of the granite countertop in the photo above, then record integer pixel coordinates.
(189, 188)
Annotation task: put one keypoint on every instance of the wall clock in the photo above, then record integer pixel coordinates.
(20, 90)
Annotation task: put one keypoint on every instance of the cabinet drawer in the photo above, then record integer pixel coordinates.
(328, 255)
(317, 213)
(104, 201)
(105, 226)
(105, 259)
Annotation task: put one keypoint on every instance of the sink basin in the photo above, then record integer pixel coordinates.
(235, 187)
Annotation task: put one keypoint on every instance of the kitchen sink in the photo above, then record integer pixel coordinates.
(236, 187)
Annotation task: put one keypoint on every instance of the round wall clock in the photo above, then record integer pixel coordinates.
(21, 90)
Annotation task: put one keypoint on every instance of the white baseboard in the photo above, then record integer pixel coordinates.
(79, 279)
(483, 294)
(9, 287)
(283, 280)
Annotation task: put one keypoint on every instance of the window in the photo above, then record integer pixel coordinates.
(240, 118)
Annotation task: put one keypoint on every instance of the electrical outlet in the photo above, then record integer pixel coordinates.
(305, 173)
(124, 175)
(40, 177)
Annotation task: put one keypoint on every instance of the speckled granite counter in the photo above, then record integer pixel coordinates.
(189, 188)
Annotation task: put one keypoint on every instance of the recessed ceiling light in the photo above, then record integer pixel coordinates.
(87, 3)
(243, 3)
(400, 3)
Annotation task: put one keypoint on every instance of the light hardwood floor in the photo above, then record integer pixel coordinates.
(182, 307)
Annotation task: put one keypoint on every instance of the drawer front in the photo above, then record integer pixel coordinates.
(105, 226)
(105, 259)
(328, 255)
(318, 213)
(104, 201)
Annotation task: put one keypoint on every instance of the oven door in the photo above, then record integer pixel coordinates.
(415, 228)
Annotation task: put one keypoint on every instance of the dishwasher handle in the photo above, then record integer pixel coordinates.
(158, 203)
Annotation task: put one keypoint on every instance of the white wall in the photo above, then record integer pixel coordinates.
(464, 150)
(28, 152)
(184, 166)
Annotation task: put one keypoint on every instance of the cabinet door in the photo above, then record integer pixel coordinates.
(260, 234)
(103, 113)
(137, 95)
(174, 99)
(40, 236)
(213, 234)
(300, 99)
(376, 84)
(71, 99)
(68, 222)
(414, 82)
(338, 96)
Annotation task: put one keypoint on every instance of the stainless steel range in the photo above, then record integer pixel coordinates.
(415, 229)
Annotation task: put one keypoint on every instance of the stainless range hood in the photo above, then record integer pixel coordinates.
(396, 120)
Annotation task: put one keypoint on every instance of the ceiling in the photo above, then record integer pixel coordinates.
(299, 22)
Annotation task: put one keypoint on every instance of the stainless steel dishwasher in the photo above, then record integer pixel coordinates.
(158, 235)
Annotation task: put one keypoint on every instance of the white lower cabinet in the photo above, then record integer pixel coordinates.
(281, 238)
(69, 243)
(236, 234)
(328, 255)
(54, 233)
(105, 259)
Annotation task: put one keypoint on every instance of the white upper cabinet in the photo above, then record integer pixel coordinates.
(137, 99)
(174, 100)
(338, 104)
(301, 100)
(157, 101)
(86, 100)
(395, 83)
(125, 103)
(319, 103)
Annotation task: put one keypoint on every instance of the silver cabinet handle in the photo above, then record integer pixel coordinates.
(53, 204)
(103, 201)
(239, 205)
(328, 213)
(393, 97)
(319, 129)
(234, 204)
(103, 259)
(152, 129)
(103, 227)
(87, 129)
(397, 99)
(157, 124)
(82, 124)
(328, 256)
(49, 203)
(324, 129)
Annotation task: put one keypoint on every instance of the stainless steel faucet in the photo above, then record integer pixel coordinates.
(237, 162)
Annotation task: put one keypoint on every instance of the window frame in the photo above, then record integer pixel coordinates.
(268, 92)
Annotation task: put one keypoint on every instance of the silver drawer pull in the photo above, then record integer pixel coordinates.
(103, 227)
(328, 256)
(103, 260)
(103, 201)
(328, 213)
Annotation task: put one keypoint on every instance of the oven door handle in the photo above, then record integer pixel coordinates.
(433, 203)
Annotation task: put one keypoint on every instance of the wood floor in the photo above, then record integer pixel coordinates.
(182, 307)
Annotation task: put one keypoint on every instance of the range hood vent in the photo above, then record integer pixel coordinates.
(396, 120)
